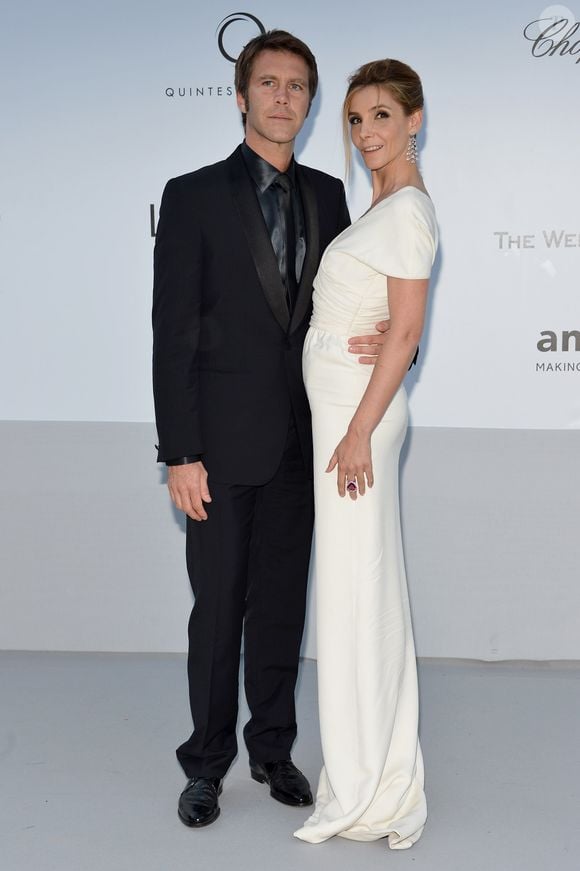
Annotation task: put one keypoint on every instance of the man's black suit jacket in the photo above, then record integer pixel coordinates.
(227, 358)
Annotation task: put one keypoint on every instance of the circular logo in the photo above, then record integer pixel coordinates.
(243, 33)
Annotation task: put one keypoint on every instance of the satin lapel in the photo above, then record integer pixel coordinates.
(310, 265)
(258, 239)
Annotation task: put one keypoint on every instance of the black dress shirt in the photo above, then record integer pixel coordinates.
(263, 175)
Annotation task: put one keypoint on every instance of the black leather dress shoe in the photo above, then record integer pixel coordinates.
(198, 803)
(287, 784)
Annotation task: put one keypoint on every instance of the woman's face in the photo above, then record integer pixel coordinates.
(379, 127)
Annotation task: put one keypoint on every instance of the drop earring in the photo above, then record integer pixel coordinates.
(411, 153)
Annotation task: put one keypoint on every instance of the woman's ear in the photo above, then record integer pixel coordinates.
(415, 122)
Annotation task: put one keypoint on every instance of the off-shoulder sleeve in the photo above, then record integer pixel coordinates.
(404, 238)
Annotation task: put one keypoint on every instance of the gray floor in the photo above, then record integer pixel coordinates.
(88, 780)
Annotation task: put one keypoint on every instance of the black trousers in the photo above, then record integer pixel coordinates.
(248, 567)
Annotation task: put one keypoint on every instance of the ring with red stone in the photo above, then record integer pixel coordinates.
(351, 486)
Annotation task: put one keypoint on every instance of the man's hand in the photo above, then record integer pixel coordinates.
(188, 488)
(369, 346)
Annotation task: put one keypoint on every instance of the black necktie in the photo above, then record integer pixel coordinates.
(288, 259)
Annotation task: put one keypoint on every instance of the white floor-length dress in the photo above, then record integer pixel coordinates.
(371, 785)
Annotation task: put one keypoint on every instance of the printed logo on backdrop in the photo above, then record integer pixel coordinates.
(238, 36)
(554, 239)
(555, 34)
(564, 345)
(557, 350)
(232, 33)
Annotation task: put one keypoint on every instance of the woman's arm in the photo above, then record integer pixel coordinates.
(407, 302)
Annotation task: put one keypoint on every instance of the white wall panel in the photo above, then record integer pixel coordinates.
(90, 137)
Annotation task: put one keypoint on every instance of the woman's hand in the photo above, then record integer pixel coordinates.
(353, 458)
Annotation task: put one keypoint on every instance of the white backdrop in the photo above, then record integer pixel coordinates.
(90, 136)
(91, 552)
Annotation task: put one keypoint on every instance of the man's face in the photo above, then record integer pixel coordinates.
(278, 99)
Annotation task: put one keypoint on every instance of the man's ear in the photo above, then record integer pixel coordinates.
(241, 102)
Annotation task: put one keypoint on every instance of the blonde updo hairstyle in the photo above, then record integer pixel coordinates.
(394, 76)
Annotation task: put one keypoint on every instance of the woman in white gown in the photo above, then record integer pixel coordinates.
(371, 785)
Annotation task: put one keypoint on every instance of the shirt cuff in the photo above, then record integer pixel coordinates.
(184, 461)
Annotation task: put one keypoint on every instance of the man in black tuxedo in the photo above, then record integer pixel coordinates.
(237, 248)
